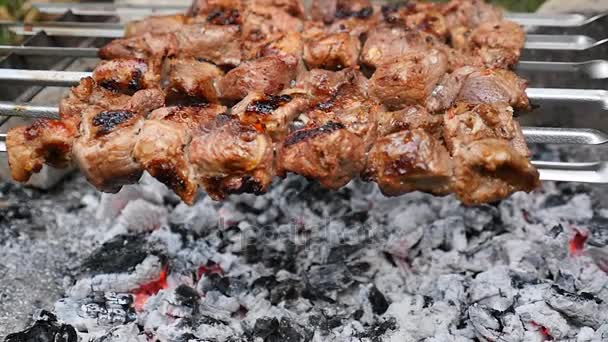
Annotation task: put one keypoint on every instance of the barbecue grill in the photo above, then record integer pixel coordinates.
(568, 80)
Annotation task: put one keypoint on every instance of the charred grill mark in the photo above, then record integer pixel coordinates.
(245, 185)
(305, 134)
(224, 17)
(33, 131)
(135, 82)
(107, 121)
(267, 104)
(168, 174)
(364, 13)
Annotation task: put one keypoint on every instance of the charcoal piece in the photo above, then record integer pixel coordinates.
(378, 301)
(46, 328)
(119, 255)
(284, 290)
(598, 231)
(342, 252)
(265, 327)
(377, 330)
(187, 296)
(216, 282)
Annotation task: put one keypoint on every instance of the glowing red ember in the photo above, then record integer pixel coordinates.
(210, 268)
(146, 290)
(577, 244)
(543, 330)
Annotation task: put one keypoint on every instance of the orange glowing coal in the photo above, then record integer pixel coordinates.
(577, 244)
(146, 290)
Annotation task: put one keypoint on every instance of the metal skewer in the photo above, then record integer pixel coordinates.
(109, 9)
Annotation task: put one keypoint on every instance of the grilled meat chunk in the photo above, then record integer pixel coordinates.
(467, 122)
(156, 24)
(210, 9)
(190, 80)
(333, 51)
(267, 75)
(271, 113)
(322, 85)
(290, 43)
(328, 153)
(499, 43)
(126, 75)
(262, 25)
(162, 143)
(386, 43)
(470, 13)
(219, 44)
(230, 157)
(103, 151)
(43, 142)
(489, 170)
(479, 86)
(407, 161)
(329, 10)
(410, 118)
(292, 7)
(490, 153)
(409, 79)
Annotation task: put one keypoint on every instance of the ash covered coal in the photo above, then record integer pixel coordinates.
(305, 264)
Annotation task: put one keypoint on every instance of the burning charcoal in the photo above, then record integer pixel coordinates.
(121, 254)
(128, 332)
(140, 216)
(598, 228)
(265, 327)
(584, 308)
(486, 325)
(226, 285)
(379, 329)
(493, 289)
(538, 316)
(45, 328)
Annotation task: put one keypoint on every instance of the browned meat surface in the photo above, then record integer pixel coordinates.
(467, 122)
(470, 13)
(477, 85)
(210, 8)
(103, 151)
(328, 153)
(323, 84)
(332, 51)
(219, 44)
(292, 7)
(410, 160)
(386, 43)
(190, 80)
(125, 75)
(410, 118)
(44, 142)
(156, 24)
(329, 10)
(495, 85)
(409, 79)
(230, 157)
(489, 170)
(271, 113)
(268, 75)
(499, 43)
(489, 151)
(161, 146)
(290, 43)
(262, 25)
(419, 16)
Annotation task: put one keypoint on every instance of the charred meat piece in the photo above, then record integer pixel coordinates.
(323, 84)
(155, 25)
(44, 142)
(162, 141)
(407, 161)
(219, 44)
(489, 170)
(230, 157)
(290, 43)
(409, 79)
(446, 92)
(333, 51)
(262, 25)
(103, 151)
(386, 43)
(410, 118)
(267, 75)
(271, 113)
(210, 8)
(328, 153)
(425, 17)
(125, 75)
(190, 80)
(499, 43)
(467, 122)
(292, 7)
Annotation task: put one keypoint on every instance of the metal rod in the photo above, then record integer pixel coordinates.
(2, 142)
(596, 172)
(582, 136)
(43, 77)
(112, 30)
(561, 42)
(49, 51)
(554, 20)
(28, 111)
(595, 69)
(572, 98)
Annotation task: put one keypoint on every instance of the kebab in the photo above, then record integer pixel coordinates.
(218, 106)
